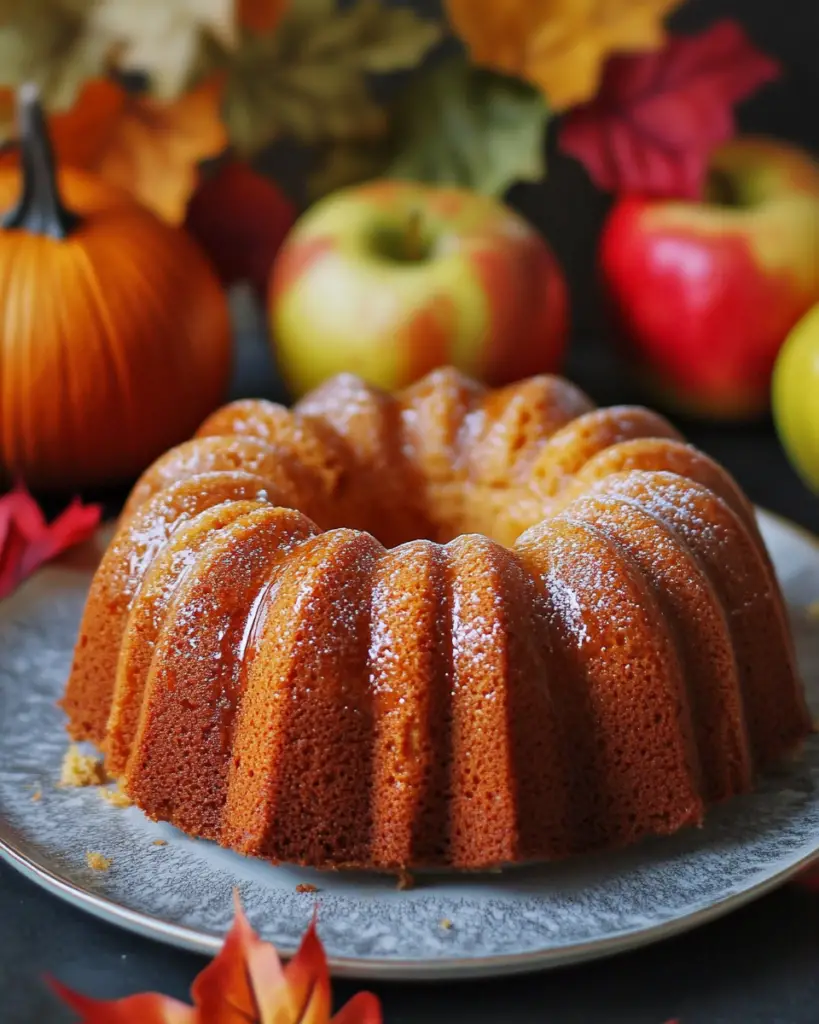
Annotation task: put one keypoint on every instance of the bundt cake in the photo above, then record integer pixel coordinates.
(450, 627)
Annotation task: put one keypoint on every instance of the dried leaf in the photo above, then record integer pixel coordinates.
(658, 117)
(27, 541)
(142, 1009)
(226, 985)
(260, 15)
(240, 220)
(456, 125)
(308, 79)
(459, 125)
(559, 45)
(374, 37)
(148, 148)
(49, 42)
(162, 38)
(244, 984)
(155, 148)
(348, 163)
(8, 113)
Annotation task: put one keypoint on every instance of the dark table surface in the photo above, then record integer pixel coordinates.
(759, 965)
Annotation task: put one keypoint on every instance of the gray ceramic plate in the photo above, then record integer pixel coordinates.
(452, 926)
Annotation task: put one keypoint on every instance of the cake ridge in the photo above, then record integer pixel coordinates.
(194, 682)
(168, 571)
(269, 815)
(698, 619)
(755, 615)
(630, 738)
(123, 566)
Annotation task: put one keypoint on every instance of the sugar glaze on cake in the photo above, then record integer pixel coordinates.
(451, 627)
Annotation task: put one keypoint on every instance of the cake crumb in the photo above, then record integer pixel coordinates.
(81, 769)
(446, 924)
(96, 861)
(116, 796)
(37, 795)
(306, 887)
(405, 880)
(159, 842)
(812, 611)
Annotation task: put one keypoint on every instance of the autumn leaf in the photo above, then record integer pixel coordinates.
(27, 541)
(148, 148)
(162, 38)
(260, 15)
(308, 79)
(348, 162)
(454, 125)
(558, 45)
(8, 114)
(48, 42)
(240, 219)
(154, 148)
(245, 984)
(658, 117)
(459, 125)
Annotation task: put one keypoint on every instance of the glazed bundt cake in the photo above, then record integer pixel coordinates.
(449, 627)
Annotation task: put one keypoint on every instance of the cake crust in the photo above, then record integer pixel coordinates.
(451, 627)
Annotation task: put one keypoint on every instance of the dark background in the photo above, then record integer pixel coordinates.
(758, 966)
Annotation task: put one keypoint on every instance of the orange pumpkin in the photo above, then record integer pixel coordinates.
(114, 331)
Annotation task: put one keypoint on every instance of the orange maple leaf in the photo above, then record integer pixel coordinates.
(148, 148)
(260, 15)
(245, 984)
(558, 45)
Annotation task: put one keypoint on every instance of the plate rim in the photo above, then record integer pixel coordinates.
(183, 937)
(376, 969)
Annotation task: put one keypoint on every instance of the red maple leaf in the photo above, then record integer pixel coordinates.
(27, 541)
(245, 984)
(240, 219)
(659, 116)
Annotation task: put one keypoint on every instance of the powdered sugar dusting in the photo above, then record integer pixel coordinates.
(474, 636)
(392, 610)
(566, 602)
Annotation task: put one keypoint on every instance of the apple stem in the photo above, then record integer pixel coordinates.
(720, 189)
(413, 241)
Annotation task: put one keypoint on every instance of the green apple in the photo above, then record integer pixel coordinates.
(795, 397)
(391, 279)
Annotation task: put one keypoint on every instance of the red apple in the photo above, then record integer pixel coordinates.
(391, 279)
(240, 219)
(705, 293)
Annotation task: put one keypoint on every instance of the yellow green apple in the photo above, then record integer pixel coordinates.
(392, 279)
(795, 398)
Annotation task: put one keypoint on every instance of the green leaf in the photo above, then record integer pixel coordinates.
(348, 163)
(460, 125)
(308, 80)
(49, 42)
(375, 38)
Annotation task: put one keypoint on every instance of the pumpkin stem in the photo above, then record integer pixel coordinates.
(39, 209)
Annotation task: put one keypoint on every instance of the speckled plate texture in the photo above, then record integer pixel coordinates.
(447, 926)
